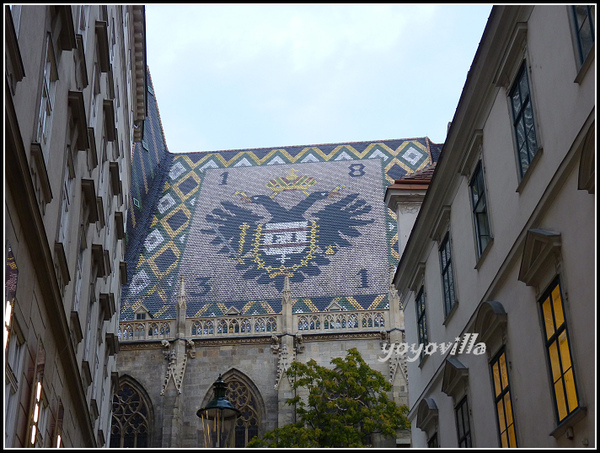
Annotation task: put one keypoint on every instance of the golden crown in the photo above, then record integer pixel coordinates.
(292, 181)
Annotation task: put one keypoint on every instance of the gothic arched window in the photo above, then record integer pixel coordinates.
(244, 395)
(130, 424)
(248, 422)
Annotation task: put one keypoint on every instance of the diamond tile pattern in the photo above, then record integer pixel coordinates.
(235, 222)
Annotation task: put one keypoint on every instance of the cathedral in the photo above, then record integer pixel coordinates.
(141, 284)
(242, 261)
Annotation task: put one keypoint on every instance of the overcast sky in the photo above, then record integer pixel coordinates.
(237, 76)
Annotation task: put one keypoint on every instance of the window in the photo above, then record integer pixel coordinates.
(49, 78)
(15, 11)
(523, 123)
(433, 441)
(38, 415)
(79, 268)
(463, 426)
(421, 318)
(89, 330)
(10, 285)
(130, 419)
(14, 354)
(583, 20)
(248, 422)
(447, 276)
(559, 352)
(67, 195)
(243, 395)
(84, 13)
(57, 438)
(502, 398)
(479, 206)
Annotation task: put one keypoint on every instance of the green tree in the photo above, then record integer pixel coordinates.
(341, 407)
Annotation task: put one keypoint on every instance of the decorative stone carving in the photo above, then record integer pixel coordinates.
(191, 349)
(298, 343)
(275, 344)
(385, 337)
(282, 365)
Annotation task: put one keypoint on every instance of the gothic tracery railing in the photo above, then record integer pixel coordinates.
(341, 320)
(269, 324)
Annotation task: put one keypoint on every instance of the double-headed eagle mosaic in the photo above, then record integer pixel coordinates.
(288, 241)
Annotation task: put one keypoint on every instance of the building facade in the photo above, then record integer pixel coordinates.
(497, 279)
(75, 102)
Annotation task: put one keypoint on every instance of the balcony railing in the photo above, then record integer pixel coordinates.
(255, 325)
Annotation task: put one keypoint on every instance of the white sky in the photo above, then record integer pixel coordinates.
(237, 76)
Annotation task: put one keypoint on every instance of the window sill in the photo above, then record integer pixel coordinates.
(583, 69)
(529, 171)
(41, 172)
(485, 253)
(571, 420)
(450, 314)
(423, 358)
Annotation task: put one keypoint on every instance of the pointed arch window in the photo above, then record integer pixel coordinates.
(248, 422)
(130, 424)
(243, 395)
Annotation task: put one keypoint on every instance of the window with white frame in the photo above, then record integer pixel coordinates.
(480, 210)
(523, 120)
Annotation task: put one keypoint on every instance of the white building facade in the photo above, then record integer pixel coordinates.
(503, 246)
(74, 105)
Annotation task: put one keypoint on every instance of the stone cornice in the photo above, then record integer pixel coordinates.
(238, 340)
(139, 71)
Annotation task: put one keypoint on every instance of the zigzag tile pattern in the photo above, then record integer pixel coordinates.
(234, 222)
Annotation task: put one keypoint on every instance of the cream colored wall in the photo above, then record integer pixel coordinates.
(34, 313)
(548, 198)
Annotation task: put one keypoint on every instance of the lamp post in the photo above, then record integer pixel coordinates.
(218, 417)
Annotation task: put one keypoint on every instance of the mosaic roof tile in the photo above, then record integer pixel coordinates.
(235, 222)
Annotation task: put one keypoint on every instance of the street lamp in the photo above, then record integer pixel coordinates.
(218, 417)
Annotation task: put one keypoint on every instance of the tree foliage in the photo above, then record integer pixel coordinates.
(341, 406)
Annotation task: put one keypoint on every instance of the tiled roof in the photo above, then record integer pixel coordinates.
(234, 222)
(424, 174)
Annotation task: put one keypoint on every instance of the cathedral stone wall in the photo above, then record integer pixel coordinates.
(257, 361)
